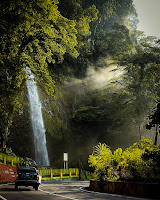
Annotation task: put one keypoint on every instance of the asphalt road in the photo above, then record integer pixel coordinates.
(57, 190)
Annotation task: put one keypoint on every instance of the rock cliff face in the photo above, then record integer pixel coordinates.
(57, 130)
(21, 137)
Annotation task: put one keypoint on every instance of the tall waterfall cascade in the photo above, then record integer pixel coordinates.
(41, 153)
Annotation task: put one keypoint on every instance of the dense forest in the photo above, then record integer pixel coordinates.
(97, 75)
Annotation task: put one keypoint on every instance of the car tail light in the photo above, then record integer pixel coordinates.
(38, 177)
(16, 176)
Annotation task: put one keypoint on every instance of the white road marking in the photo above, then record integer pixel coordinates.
(55, 194)
(92, 192)
(1, 197)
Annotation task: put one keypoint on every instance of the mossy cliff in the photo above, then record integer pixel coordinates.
(56, 123)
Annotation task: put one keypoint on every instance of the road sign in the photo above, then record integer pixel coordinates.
(65, 156)
(65, 159)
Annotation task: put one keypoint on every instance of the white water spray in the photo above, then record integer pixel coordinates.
(41, 153)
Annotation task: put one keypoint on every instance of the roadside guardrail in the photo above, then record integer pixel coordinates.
(45, 173)
(58, 173)
(9, 160)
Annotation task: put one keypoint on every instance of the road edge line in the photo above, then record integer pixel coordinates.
(52, 193)
(1, 197)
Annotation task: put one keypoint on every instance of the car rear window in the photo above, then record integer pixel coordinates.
(26, 169)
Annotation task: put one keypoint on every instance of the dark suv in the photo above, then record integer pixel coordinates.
(27, 176)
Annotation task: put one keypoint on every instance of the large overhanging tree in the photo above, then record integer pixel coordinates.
(141, 78)
(33, 33)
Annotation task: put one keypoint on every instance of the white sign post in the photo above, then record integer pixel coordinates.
(65, 159)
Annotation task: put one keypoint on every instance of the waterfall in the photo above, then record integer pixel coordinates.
(41, 153)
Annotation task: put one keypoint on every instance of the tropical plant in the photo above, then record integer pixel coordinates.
(135, 163)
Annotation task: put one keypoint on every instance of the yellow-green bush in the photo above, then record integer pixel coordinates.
(136, 162)
(101, 160)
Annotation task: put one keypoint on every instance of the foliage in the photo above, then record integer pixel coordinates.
(101, 160)
(119, 41)
(154, 117)
(83, 15)
(142, 75)
(104, 34)
(154, 121)
(58, 40)
(132, 158)
(136, 54)
(87, 113)
(152, 157)
(34, 34)
(136, 162)
(111, 110)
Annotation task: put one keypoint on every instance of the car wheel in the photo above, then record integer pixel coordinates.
(36, 187)
(16, 187)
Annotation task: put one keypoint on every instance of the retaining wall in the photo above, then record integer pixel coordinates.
(150, 190)
(7, 173)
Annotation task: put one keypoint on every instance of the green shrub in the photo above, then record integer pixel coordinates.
(139, 162)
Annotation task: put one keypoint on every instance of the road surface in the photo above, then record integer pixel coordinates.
(57, 190)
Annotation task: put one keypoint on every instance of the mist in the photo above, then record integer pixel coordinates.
(100, 91)
(98, 79)
(99, 76)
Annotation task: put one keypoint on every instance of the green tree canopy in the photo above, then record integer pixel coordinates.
(34, 34)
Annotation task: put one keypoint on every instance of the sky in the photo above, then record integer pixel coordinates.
(148, 16)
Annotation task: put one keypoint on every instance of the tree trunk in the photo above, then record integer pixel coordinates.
(140, 133)
(156, 137)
